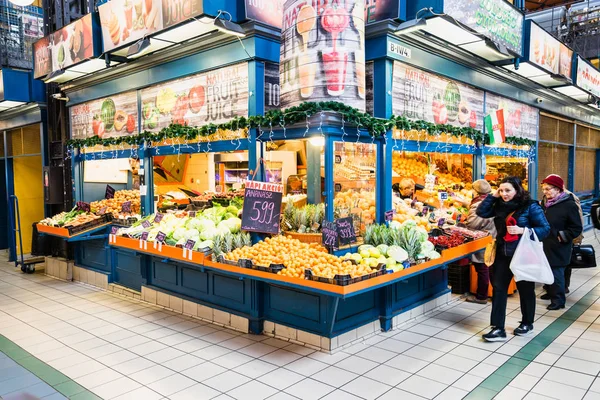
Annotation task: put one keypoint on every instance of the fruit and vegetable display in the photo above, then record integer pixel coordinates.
(408, 236)
(448, 241)
(307, 219)
(203, 228)
(72, 218)
(417, 166)
(114, 206)
(359, 204)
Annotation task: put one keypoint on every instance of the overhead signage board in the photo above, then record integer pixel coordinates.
(420, 95)
(214, 97)
(127, 21)
(520, 120)
(495, 19)
(269, 12)
(67, 46)
(588, 77)
(549, 53)
(380, 10)
(112, 116)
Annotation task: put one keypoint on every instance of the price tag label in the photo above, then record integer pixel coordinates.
(441, 222)
(144, 241)
(158, 218)
(126, 207)
(262, 207)
(82, 206)
(160, 237)
(187, 249)
(443, 196)
(112, 236)
(389, 215)
(345, 229)
(114, 230)
(190, 244)
(146, 224)
(192, 214)
(338, 187)
(330, 234)
(110, 192)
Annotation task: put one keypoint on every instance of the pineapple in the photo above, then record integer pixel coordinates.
(368, 238)
(302, 220)
(228, 242)
(289, 217)
(217, 246)
(247, 240)
(238, 241)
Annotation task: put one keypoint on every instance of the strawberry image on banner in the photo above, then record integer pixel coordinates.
(494, 125)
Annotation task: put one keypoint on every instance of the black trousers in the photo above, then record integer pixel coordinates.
(501, 276)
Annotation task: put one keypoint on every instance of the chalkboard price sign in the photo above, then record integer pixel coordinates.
(126, 207)
(160, 237)
(192, 214)
(82, 206)
(330, 234)
(262, 207)
(110, 192)
(345, 229)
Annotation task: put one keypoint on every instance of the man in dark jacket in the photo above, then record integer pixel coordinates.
(565, 225)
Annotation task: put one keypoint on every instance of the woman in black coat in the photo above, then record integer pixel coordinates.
(513, 210)
(565, 225)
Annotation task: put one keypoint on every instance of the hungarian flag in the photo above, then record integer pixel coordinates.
(494, 125)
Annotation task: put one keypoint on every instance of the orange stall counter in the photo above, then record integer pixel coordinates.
(512, 288)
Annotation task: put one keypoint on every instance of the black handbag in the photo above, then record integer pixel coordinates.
(583, 256)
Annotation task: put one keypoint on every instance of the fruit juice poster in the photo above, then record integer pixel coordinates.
(520, 120)
(588, 77)
(496, 19)
(108, 117)
(42, 53)
(266, 11)
(127, 21)
(420, 95)
(211, 97)
(73, 43)
(322, 53)
(544, 50)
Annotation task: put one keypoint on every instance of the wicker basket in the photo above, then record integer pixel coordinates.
(306, 237)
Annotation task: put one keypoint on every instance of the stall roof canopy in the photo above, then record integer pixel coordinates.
(18, 88)
(492, 30)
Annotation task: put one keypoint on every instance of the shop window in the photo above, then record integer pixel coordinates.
(552, 159)
(355, 171)
(498, 168)
(585, 170)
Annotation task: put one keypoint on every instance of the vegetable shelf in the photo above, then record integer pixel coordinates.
(64, 232)
(164, 251)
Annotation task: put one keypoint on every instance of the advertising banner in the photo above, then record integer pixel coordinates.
(420, 95)
(322, 53)
(269, 12)
(588, 77)
(272, 88)
(496, 19)
(127, 21)
(549, 53)
(67, 46)
(379, 10)
(113, 116)
(210, 97)
(520, 120)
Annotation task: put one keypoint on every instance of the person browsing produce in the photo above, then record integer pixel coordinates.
(483, 188)
(565, 225)
(513, 210)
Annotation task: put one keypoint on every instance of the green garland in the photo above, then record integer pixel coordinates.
(376, 127)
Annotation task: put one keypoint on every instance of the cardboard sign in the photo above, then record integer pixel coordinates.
(262, 207)
(345, 229)
(330, 234)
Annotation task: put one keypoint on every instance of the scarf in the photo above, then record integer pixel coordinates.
(551, 202)
(504, 218)
(479, 199)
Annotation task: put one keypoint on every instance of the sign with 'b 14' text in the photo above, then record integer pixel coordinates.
(262, 207)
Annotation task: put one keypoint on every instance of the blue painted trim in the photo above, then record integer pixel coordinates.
(10, 191)
(384, 176)
(382, 86)
(571, 180)
(533, 173)
(329, 184)
(597, 175)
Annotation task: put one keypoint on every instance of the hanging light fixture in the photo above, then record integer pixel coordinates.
(22, 3)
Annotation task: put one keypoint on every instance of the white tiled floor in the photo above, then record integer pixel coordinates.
(125, 349)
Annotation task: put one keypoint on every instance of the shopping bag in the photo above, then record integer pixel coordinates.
(529, 262)
(490, 253)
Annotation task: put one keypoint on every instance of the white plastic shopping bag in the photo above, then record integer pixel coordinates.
(529, 262)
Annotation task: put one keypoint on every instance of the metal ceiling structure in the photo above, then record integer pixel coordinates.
(538, 5)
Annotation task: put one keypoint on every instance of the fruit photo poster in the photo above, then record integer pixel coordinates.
(113, 116)
(211, 97)
(420, 95)
(322, 54)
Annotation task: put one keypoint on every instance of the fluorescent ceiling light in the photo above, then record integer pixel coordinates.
(487, 49)
(411, 26)
(194, 28)
(447, 30)
(62, 75)
(573, 92)
(318, 141)
(22, 3)
(229, 27)
(548, 80)
(90, 66)
(526, 70)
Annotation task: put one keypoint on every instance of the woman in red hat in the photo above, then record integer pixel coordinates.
(513, 210)
(565, 225)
